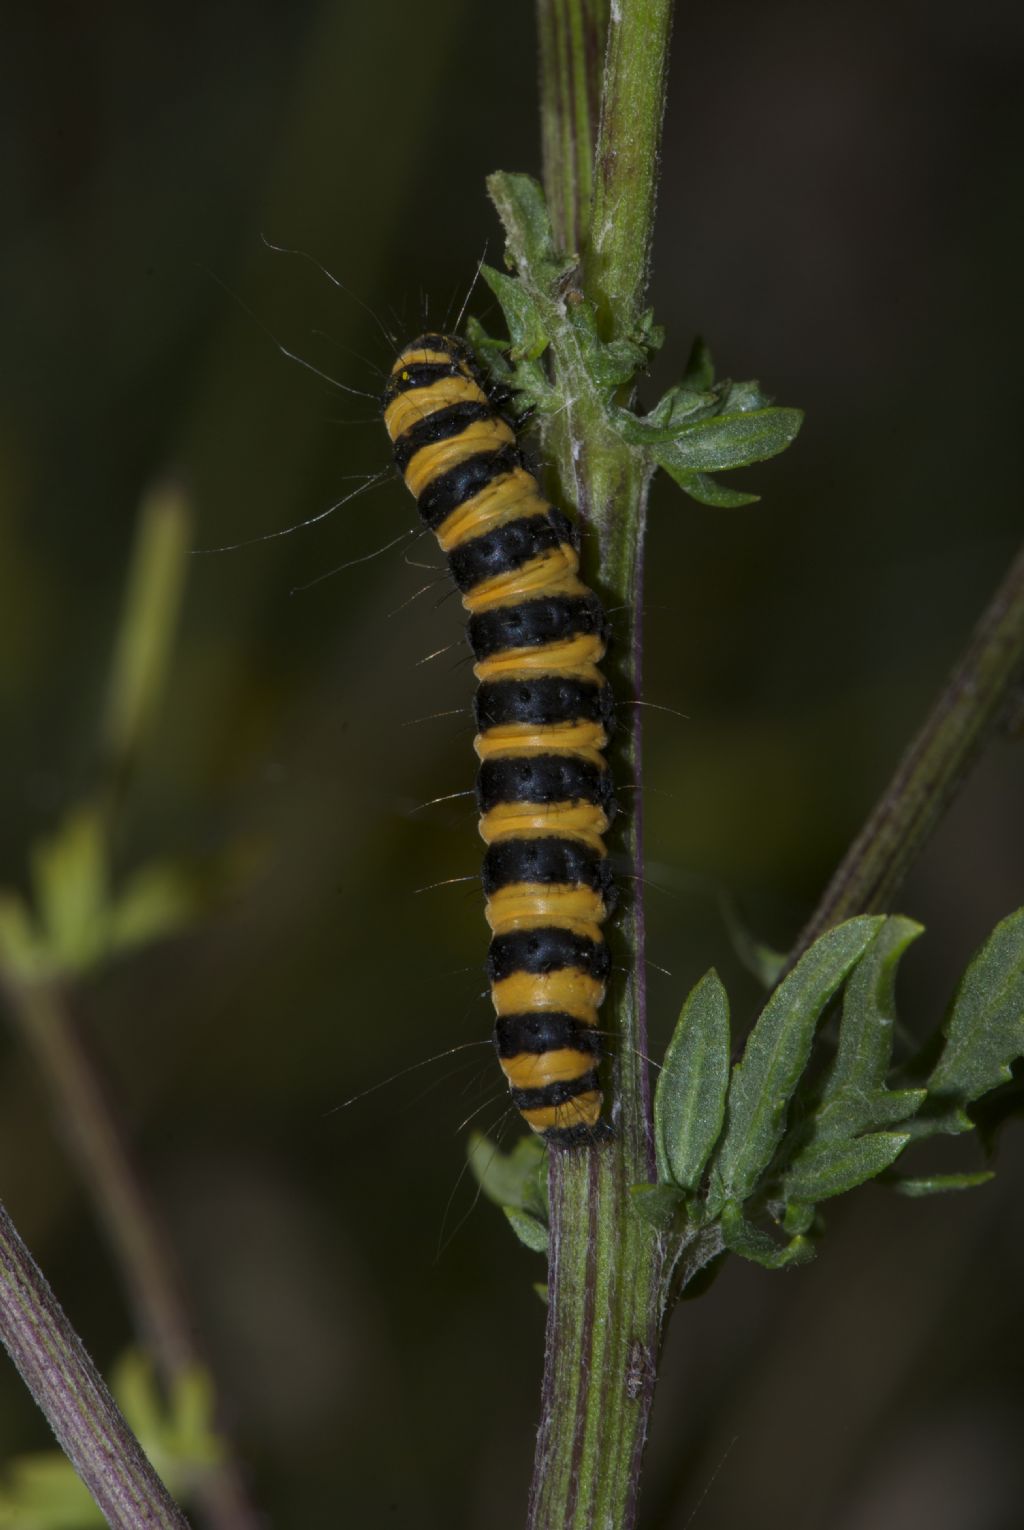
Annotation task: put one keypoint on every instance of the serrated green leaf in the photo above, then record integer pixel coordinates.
(775, 1056)
(729, 441)
(708, 491)
(985, 1029)
(530, 244)
(832, 1167)
(700, 372)
(515, 1179)
(657, 1204)
(689, 1101)
(609, 363)
(675, 408)
(869, 1015)
(854, 1099)
(616, 363)
(751, 1243)
(525, 325)
(528, 1230)
(934, 1119)
(937, 1184)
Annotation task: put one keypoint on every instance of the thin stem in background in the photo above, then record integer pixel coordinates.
(87, 1422)
(97, 1147)
(933, 769)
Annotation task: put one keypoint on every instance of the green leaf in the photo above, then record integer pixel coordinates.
(157, 901)
(937, 1184)
(833, 1167)
(700, 371)
(751, 1243)
(525, 325)
(516, 1179)
(775, 1056)
(179, 1434)
(689, 1102)
(855, 1099)
(741, 397)
(527, 1229)
(869, 1015)
(70, 878)
(530, 243)
(729, 441)
(609, 363)
(674, 409)
(708, 491)
(659, 1205)
(985, 1029)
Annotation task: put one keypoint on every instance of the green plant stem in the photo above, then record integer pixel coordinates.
(98, 1147)
(963, 719)
(572, 34)
(618, 260)
(606, 1274)
(604, 1320)
(81, 1412)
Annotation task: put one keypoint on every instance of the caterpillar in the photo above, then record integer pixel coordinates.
(543, 715)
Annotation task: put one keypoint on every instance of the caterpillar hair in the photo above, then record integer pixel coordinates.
(543, 715)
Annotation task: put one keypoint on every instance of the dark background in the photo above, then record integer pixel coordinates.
(840, 215)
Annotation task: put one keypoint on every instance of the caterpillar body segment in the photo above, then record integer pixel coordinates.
(543, 714)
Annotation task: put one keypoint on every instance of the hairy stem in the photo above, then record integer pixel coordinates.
(626, 169)
(81, 1412)
(606, 1269)
(572, 41)
(931, 772)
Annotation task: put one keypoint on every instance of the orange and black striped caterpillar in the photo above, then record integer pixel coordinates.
(543, 715)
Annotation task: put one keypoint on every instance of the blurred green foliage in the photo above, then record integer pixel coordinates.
(840, 211)
(41, 1491)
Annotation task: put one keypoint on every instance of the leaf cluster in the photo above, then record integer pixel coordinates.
(78, 917)
(752, 1149)
(746, 1152)
(699, 427)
